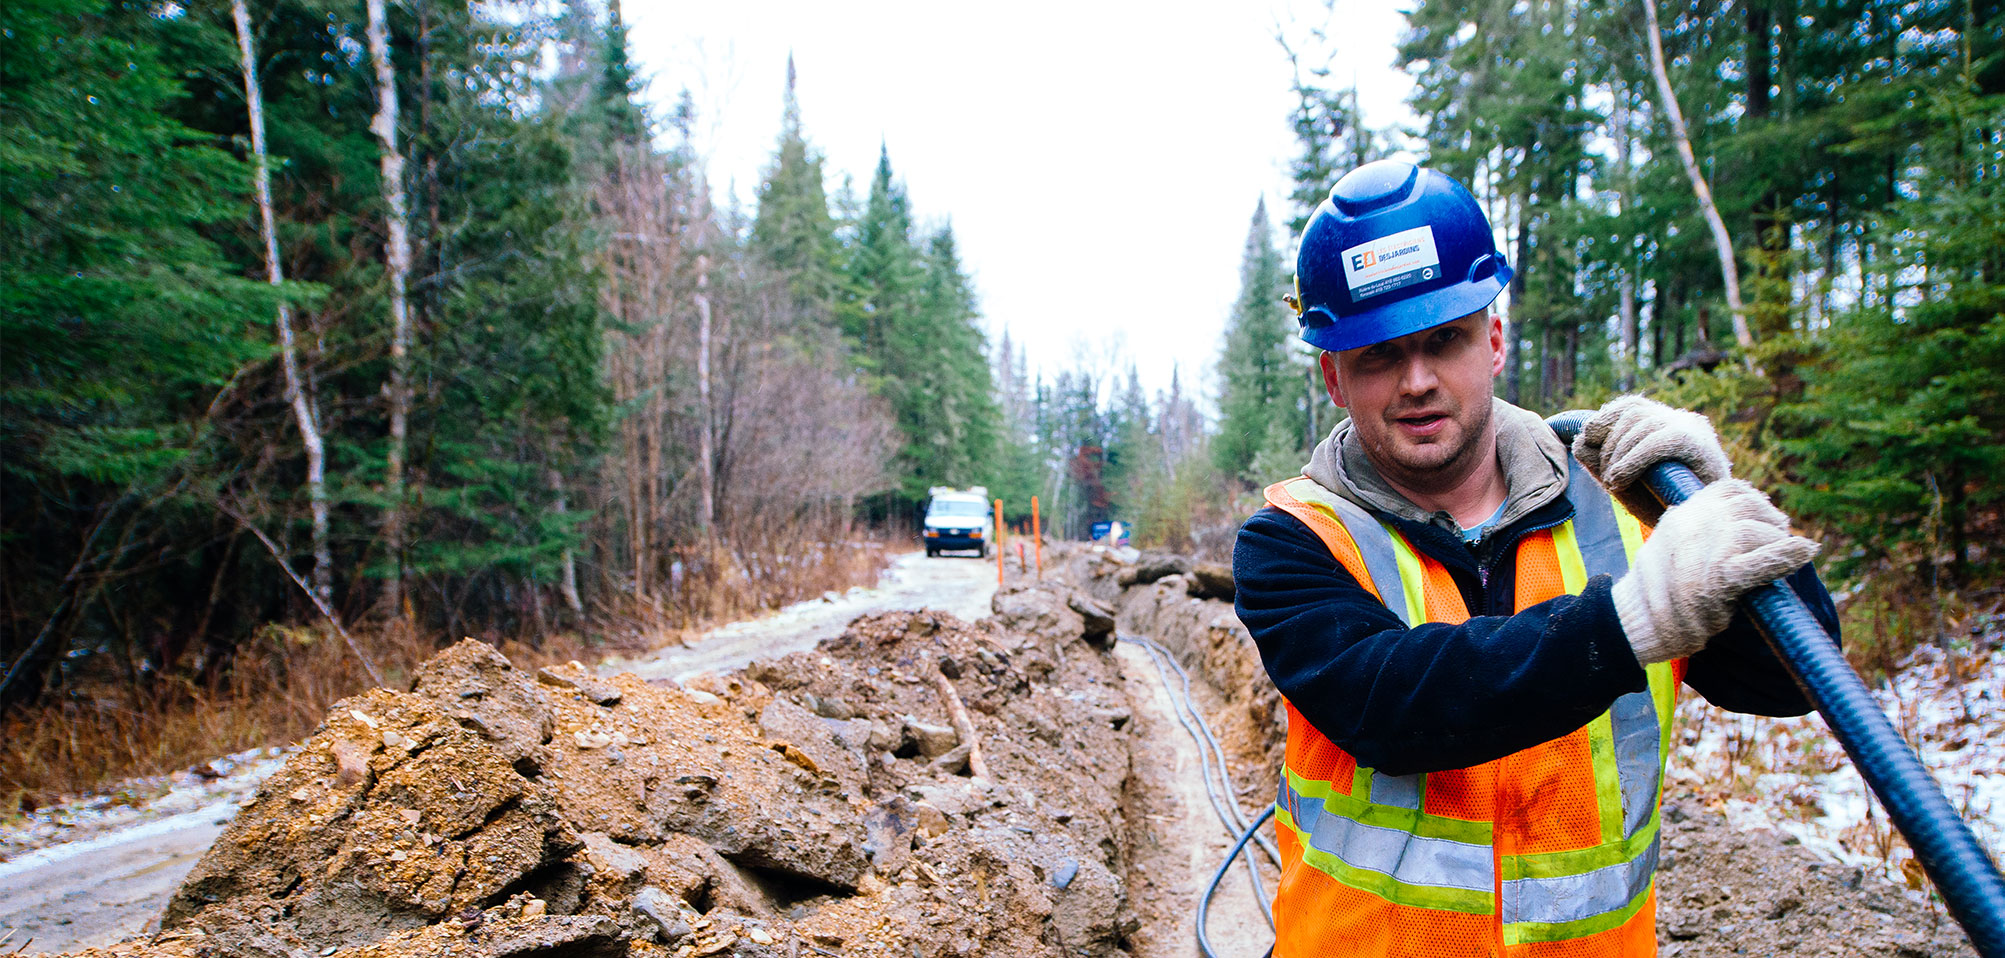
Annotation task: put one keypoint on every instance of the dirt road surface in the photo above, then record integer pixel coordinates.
(100, 890)
(956, 584)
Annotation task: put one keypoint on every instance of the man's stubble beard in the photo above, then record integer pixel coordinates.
(1434, 474)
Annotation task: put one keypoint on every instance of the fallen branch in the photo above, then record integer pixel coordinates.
(964, 728)
(318, 603)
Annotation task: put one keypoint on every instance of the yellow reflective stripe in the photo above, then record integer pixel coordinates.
(1387, 816)
(1631, 529)
(1664, 689)
(1582, 860)
(1525, 932)
(1361, 782)
(1572, 569)
(1412, 578)
(1607, 776)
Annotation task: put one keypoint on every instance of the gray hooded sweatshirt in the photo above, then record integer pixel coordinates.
(1533, 459)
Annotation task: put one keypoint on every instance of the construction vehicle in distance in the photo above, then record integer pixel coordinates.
(958, 519)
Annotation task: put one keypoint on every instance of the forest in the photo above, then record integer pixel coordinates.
(333, 331)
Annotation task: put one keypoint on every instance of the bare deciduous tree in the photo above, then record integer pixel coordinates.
(1729, 270)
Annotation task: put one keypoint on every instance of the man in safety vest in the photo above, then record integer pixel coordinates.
(1478, 635)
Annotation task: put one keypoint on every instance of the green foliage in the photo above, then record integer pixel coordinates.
(1900, 432)
(913, 324)
(1263, 382)
(793, 228)
(121, 315)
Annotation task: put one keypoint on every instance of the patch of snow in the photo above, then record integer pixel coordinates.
(201, 793)
(1792, 776)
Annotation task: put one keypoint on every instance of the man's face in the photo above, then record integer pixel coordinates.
(1421, 403)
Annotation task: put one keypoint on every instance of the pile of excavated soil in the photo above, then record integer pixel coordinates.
(822, 804)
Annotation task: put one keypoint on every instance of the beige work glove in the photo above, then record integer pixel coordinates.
(1631, 434)
(1710, 549)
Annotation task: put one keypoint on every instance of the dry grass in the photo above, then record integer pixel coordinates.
(284, 679)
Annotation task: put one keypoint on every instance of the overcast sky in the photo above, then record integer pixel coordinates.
(1099, 161)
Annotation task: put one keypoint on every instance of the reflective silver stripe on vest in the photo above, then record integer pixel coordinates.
(1408, 858)
(1633, 722)
(1594, 528)
(1375, 547)
(1402, 791)
(1574, 897)
(1633, 717)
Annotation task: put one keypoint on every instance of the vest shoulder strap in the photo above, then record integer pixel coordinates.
(1361, 544)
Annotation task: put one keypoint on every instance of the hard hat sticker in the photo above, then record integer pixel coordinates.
(1390, 262)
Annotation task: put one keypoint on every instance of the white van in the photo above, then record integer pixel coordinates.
(962, 519)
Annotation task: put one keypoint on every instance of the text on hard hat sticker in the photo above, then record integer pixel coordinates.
(1389, 262)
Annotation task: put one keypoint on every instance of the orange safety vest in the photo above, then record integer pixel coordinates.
(1547, 852)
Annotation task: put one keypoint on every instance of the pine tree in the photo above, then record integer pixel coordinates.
(124, 321)
(1260, 374)
(793, 229)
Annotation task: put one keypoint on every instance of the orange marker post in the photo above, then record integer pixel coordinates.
(997, 526)
(1037, 536)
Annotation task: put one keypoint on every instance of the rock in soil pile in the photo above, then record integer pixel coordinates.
(820, 804)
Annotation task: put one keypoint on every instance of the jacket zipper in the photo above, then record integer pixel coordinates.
(1490, 601)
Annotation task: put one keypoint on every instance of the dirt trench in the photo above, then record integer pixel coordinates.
(825, 803)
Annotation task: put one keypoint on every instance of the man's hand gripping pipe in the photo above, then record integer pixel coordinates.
(1944, 845)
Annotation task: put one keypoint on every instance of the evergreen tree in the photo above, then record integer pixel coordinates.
(884, 270)
(1332, 139)
(1014, 470)
(124, 321)
(793, 229)
(1261, 377)
(912, 320)
(967, 415)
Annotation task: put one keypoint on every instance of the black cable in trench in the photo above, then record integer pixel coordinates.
(1226, 807)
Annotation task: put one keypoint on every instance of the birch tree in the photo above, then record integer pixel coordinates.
(295, 396)
(397, 253)
(1729, 271)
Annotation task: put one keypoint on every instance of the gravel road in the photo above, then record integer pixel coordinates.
(955, 584)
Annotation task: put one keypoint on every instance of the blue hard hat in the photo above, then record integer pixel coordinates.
(1394, 250)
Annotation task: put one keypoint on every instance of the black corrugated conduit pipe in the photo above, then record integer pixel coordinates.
(1943, 843)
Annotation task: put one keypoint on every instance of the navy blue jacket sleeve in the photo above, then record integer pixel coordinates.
(1433, 697)
(1739, 671)
(1449, 696)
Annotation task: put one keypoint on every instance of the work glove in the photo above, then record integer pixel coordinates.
(1710, 549)
(1631, 434)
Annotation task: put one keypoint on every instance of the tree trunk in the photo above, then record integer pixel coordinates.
(295, 396)
(1514, 331)
(397, 254)
(1729, 272)
(1626, 380)
(706, 490)
(568, 584)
